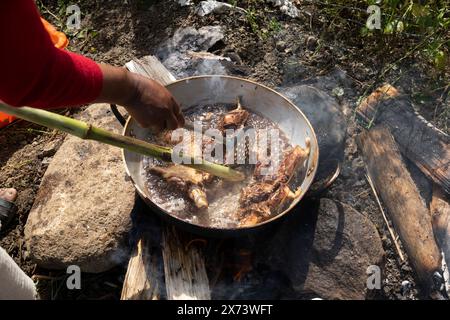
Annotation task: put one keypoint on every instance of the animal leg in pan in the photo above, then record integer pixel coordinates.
(235, 119)
(270, 193)
(188, 180)
(291, 162)
(257, 212)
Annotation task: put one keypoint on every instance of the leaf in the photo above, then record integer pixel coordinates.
(440, 59)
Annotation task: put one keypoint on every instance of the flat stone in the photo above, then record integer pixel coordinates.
(81, 214)
(324, 249)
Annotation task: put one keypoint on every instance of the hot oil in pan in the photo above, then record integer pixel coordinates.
(223, 196)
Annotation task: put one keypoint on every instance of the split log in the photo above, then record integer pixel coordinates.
(406, 208)
(150, 66)
(184, 265)
(425, 145)
(142, 281)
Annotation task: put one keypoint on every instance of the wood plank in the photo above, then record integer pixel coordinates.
(184, 265)
(142, 281)
(401, 197)
(425, 145)
(151, 67)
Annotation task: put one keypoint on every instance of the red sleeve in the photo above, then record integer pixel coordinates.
(35, 73)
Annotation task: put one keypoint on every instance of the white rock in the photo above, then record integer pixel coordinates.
(184, 3)
(287, 7)
(211, 6)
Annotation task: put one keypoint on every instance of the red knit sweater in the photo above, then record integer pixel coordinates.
(35, 73)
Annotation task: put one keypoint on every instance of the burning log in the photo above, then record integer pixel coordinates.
(425, 145)
(401, 197)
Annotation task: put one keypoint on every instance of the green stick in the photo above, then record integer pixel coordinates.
(86, 131)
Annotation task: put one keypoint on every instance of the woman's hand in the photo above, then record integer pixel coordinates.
(146, 100)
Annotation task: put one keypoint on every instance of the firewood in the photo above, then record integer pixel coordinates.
(142, 281)
(401, 197)
(421, 142)
(184, 267)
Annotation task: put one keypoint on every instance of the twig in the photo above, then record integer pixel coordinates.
(47, 278)
(391, 232)
(50, 13)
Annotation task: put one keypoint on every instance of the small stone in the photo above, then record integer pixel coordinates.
(406, 287)
(281, 45)
(46, 161)
(338, 92)
(406, 268)
(359, 183)
(184, 3)
(311, 43)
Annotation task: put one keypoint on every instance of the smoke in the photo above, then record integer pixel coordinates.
(328, 121)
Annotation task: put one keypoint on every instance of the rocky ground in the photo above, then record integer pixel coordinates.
(270, 48)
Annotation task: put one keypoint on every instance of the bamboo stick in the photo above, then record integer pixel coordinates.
(86, 131)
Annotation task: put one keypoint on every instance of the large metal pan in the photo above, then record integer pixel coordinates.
(256, 98)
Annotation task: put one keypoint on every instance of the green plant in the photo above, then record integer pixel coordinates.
(274, 25)
(234, 3)
(402, 21)
(252, 21)
(260, 24)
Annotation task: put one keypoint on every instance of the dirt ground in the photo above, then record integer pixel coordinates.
(116, 31)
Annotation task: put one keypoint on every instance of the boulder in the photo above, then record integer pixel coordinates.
(81, 214)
